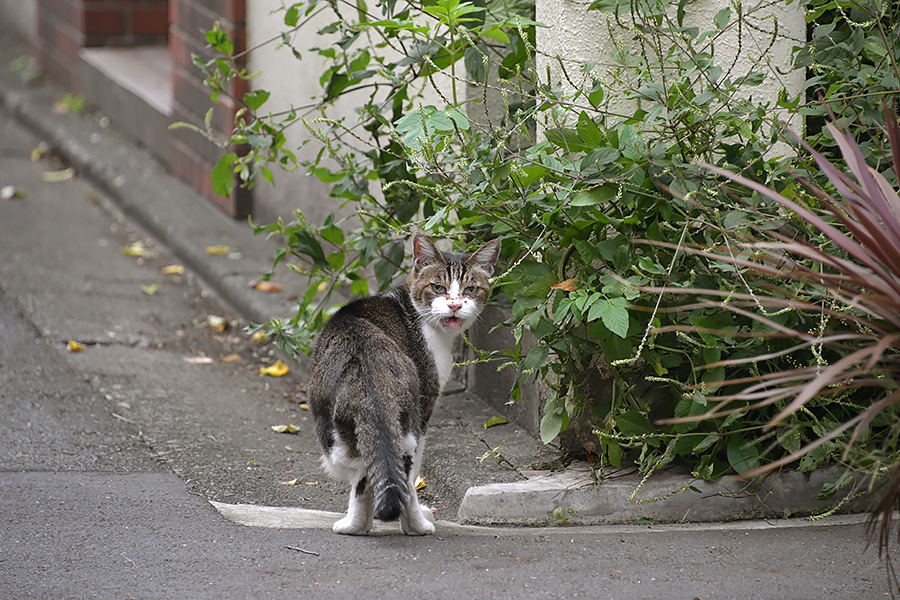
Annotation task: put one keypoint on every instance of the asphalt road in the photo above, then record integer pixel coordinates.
(108, 455)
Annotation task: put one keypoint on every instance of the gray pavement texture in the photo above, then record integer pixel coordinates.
(141, 466)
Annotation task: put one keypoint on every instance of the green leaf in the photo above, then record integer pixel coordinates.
(493, 421)
(336, 260)
(535, 358)
(223, 175)
(594, 196)
(333, 234)
(614, 314)
(635, 423)
(551, 424)
(255, 99)
(292, 16)
(495, 33)
(588, 131)
(613, 452)
(305, 243)
(360, 287)
(743, 456)
(722, 17)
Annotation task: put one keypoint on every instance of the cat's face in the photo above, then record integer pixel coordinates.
(449, 290)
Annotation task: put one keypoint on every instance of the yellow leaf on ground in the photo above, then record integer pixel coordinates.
(259, 337)
(276, 370)
(74, 346)
(57, 176)
(304, 406)
(216, 322)
(285, 428)
(291, 482)
(150, 289)
(567, 286)
(173, 270)
(231, 358)
(39, 152)
(217, 250)
(420, 484)
(198, 360)
(136, 249)
(267, 286)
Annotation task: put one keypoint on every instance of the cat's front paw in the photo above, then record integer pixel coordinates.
(351, 526)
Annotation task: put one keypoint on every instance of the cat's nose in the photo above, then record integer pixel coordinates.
(454, 304)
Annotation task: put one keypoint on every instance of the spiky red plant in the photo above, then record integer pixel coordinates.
(857, 285)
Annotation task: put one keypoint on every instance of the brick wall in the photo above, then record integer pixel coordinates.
(194, 157)
(66, 26)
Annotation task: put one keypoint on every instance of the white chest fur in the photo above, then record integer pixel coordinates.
(441, 346)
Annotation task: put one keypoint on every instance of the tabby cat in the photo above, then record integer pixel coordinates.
(378, 368)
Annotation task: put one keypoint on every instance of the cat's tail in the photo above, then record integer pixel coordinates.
(379, 439)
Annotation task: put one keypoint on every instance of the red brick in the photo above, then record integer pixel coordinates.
(104, 22)
(152, 20)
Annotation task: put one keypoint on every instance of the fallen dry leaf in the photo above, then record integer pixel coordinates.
(420, 484)
(74, 346)
(278, 369)
(173, 270)
(259, 337)
(136, 249)
(267, 286)
(291, 482)
(285, 428)
(217, 250)
(304, 406)
(231, 358)
(150, 289)
(198, 360)
(216, 322)
(39, 152)
(567, 286)
(57, 176)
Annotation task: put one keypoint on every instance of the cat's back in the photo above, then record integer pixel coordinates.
(372, 320)
(378, 331)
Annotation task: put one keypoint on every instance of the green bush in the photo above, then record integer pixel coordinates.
(596, 210)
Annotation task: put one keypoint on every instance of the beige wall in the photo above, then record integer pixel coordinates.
(577, 36)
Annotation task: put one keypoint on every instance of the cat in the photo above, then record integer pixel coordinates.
(377, 370)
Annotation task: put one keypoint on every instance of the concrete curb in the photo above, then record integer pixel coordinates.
(672, 496)
(249, 515)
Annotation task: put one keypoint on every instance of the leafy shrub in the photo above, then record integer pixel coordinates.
(596, 210)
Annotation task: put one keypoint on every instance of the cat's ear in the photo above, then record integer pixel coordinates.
(486, 256)
(424, 252)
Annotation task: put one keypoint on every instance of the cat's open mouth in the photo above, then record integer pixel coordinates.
(451, 322)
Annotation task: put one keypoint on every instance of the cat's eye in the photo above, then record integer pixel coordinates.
(438, 288)
(471, 290)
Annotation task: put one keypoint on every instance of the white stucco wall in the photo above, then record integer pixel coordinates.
(577, 37)
(296, 83)
(20, 15)
(291, 83)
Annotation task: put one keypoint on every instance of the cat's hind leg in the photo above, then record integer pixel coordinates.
(416, 519)
(360, 510)
(358, 520)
